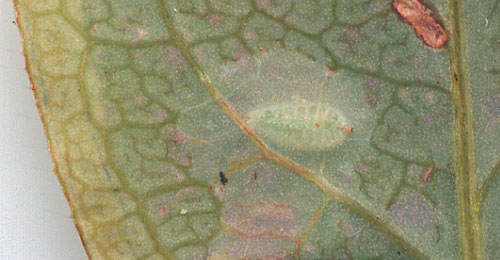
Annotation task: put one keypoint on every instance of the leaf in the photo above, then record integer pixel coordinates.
(273, 129)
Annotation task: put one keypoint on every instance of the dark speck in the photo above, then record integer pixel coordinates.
(399, 253)
(223, 178)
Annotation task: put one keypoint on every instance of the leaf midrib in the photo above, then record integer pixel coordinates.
(276, 157)
(467, 194)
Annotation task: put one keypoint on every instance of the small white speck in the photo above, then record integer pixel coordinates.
(184, 211)
(175, 10)
(485, 19)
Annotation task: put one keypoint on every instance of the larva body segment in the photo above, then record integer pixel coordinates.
(301, 126)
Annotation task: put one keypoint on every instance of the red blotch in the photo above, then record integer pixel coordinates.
(421, 19)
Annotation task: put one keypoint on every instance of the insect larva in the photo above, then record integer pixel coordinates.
(301, 126)
(421, 19)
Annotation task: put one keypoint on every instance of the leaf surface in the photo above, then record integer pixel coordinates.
(272, 129)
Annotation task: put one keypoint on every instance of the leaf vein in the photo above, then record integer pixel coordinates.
(277, 158)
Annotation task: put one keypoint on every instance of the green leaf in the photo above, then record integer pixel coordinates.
(272, 129)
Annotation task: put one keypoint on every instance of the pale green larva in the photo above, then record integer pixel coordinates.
(310, 127)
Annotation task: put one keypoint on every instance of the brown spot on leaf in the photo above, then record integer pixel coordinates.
(214, 19)
(176, 136)
(426, 174)
(370, 101)
(423, 22)
(181, 149)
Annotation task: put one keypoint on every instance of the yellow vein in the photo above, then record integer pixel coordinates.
(314, 218)
(468, 202)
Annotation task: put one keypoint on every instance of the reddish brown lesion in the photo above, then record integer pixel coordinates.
(426, 174)
(421, 19)
(176, 136)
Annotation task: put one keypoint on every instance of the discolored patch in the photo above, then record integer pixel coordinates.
(423, 22)
(414, 213)
(262, 219)
(176, 136)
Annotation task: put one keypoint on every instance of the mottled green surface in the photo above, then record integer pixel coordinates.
(146, 101)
